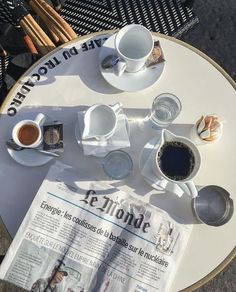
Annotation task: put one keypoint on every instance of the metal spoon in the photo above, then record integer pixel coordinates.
(12, 145)
(110, 61)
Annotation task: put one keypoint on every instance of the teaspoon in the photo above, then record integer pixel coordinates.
(12, 145)
(110, 61)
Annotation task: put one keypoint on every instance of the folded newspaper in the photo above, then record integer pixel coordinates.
(81, 235)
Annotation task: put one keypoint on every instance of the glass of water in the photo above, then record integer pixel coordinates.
(117, 164)
(165, 109)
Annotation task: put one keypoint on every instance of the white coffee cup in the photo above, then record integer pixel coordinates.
(27, 130)
(186, 184)
(100, 121)
(134, 44)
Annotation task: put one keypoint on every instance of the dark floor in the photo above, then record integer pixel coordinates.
(215, 35)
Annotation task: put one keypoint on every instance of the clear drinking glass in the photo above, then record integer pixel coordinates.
(117, 164)
(165, 109)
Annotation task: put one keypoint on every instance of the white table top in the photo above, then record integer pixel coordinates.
(202, 87)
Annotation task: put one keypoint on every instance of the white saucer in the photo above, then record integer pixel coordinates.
(28, 157)
(78, 136)
(128, 81)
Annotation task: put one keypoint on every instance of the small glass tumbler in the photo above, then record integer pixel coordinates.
(165, 109)
(117, 164)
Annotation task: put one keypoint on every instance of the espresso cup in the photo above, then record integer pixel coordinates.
(134, 44)
(28, 133)
(100, 121)
(177, 160)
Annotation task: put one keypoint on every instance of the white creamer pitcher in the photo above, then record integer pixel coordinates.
(186, 184)
(100, 121)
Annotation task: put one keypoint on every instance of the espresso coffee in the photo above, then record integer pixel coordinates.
(28, 134)
(176, 160)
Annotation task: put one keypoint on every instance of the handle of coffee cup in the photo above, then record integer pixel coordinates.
(171, 187)
(120, 67)
(40, 118)
(117, 107)
(189, 188)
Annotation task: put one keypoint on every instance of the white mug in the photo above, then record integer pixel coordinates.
(29, 129)
(134, 44)
(100, 121)
(186, 184)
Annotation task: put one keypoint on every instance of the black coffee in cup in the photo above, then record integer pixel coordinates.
(28, 134)
(176, 160)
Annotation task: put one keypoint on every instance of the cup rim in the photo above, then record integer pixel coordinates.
(20, 124)
(128, 27)
(196, 166)
(124, 154)
(163, 124)
(107, 135)
(169, 94)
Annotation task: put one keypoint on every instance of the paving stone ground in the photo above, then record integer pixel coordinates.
(215, 35)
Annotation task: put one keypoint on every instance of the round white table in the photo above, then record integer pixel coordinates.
(69, 77)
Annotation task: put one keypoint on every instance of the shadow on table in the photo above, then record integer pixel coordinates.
(77, 61)
(90, 167)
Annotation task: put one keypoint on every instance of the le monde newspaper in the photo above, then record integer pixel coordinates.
(81, 235)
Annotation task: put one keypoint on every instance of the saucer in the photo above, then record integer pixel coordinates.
(78, 136)
(128, 81)
(28, 157)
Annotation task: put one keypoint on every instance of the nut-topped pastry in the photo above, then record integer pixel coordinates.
(207, 129)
